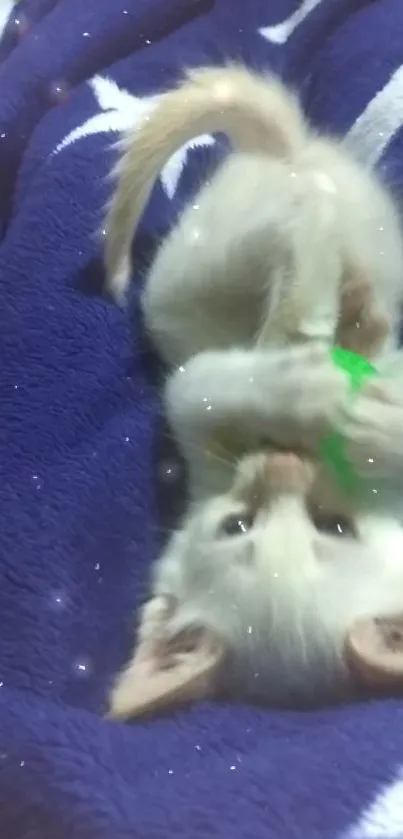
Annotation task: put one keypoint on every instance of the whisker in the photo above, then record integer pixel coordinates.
(197, 448)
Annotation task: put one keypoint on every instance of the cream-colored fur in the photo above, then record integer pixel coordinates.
(270, 240)
(256, 266)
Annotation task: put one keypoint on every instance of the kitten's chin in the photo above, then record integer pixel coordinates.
(294, 698)
(274, 681)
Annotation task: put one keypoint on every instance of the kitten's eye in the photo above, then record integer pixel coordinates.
(236, 525)
(333, 524)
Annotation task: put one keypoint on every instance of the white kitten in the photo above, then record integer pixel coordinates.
(261, 591)
(286, 220)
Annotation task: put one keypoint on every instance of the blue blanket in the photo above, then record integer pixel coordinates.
(83, 484)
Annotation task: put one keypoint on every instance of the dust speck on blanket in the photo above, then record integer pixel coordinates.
(83, 481)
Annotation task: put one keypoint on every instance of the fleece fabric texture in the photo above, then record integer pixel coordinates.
(85, 487)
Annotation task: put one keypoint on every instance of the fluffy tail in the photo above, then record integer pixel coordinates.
(257, 113)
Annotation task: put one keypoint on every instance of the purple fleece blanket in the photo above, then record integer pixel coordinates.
(82, 480)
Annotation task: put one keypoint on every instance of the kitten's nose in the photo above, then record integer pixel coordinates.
(263, 477)
(287, 472)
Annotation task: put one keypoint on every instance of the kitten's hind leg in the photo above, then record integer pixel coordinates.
(304, 297)
(362, 327)
(295, 318)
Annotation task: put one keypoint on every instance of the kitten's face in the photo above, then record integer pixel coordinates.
(280, 567)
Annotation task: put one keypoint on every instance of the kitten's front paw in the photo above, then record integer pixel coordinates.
(308, 389)
(372, 423)
(315, 385)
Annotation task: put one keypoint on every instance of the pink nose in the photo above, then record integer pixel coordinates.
(287, 472)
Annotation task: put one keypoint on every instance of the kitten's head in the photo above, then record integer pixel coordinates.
(272, 592)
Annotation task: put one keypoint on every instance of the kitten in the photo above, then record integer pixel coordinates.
(271, 588)
(268, 243)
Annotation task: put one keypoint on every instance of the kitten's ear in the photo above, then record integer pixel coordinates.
(168, 667)
(374, 652)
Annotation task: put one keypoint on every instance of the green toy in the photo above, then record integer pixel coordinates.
(333, 446)
(228, 443)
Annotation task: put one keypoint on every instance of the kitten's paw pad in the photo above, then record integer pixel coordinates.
(356, 295)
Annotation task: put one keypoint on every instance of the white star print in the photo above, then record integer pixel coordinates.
(280, 33)
(173, 169)
(384, 817)
(5, 12)
(382, 118)
(121, 111)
